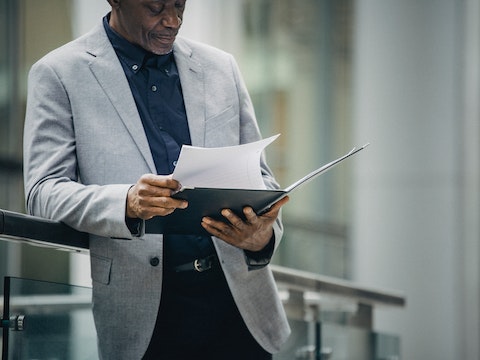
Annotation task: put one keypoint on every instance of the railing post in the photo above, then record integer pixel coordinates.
(6, 316)
(363, 317)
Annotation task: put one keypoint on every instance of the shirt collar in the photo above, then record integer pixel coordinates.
(133, 55)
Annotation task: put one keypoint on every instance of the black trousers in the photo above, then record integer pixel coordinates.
(198, 319)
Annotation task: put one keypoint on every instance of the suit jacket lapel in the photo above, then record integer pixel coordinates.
(191, 77)
(110, 76)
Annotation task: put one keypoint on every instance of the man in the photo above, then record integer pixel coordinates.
(106, 117)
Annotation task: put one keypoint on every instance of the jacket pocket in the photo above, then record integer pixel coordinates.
(101, 268)
(223, 129)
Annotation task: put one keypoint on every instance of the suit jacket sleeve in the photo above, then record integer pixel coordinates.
(53, 188)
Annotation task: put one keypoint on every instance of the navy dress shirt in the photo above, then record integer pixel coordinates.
(156, 88)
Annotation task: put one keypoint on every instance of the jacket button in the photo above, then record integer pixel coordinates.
(154, 261)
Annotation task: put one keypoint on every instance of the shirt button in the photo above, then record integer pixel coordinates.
(154, 261)
(154, 88)
(135, 67)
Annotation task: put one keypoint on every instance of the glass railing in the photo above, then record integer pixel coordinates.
(329, 341)
(333, 318)
(47, 321)
(330, 318)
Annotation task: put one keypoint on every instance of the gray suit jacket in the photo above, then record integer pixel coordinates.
(84, 147)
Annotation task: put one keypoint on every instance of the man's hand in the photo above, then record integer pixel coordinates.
(252, 234)
(151, 196)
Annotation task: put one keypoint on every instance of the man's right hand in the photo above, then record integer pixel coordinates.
(151, 196)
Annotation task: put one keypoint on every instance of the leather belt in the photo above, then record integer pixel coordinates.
(199, 265)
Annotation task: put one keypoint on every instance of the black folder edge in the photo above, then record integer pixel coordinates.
(210, 201)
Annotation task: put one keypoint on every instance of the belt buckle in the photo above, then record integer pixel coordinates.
(201, 266)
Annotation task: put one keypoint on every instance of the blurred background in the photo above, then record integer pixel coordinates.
(328, 75)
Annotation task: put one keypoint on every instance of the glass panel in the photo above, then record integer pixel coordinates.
(55, 321)
(341, 342)
(386, 346)
(346, 342)
(337, 342)
(300, 341)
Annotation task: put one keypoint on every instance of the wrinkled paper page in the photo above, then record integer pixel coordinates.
(233, 167)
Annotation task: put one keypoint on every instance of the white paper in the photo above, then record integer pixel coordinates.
(234, 167)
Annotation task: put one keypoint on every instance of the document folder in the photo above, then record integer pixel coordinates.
(211, 201)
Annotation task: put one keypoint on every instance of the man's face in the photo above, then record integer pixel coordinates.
(151, 24)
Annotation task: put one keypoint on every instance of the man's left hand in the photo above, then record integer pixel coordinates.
(253, 233)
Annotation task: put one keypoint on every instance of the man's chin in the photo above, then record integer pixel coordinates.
(161, 51)
(161, 46)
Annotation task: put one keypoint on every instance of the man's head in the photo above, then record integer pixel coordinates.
(151, 24)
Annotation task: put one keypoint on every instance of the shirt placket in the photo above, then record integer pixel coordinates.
(157, 100)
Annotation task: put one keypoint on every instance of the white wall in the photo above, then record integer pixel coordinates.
(408, 230)
(215, 22)
(469, 284)
(86, 14)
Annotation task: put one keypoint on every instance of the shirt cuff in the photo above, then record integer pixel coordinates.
(259, 259)
(135, 226)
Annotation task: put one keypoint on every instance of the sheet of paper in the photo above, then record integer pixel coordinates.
(234, 167)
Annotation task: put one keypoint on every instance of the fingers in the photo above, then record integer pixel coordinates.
(218, 229)
(252, 222)
(233, 219)
(159, 182)
(250, 215)
(244, 236)
(151, 196)
(275, 208)
(251, 233)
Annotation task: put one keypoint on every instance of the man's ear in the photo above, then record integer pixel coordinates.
(114, 3)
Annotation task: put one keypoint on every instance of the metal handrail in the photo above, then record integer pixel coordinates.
(46, 233)
(41, 232)
(307, 282)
